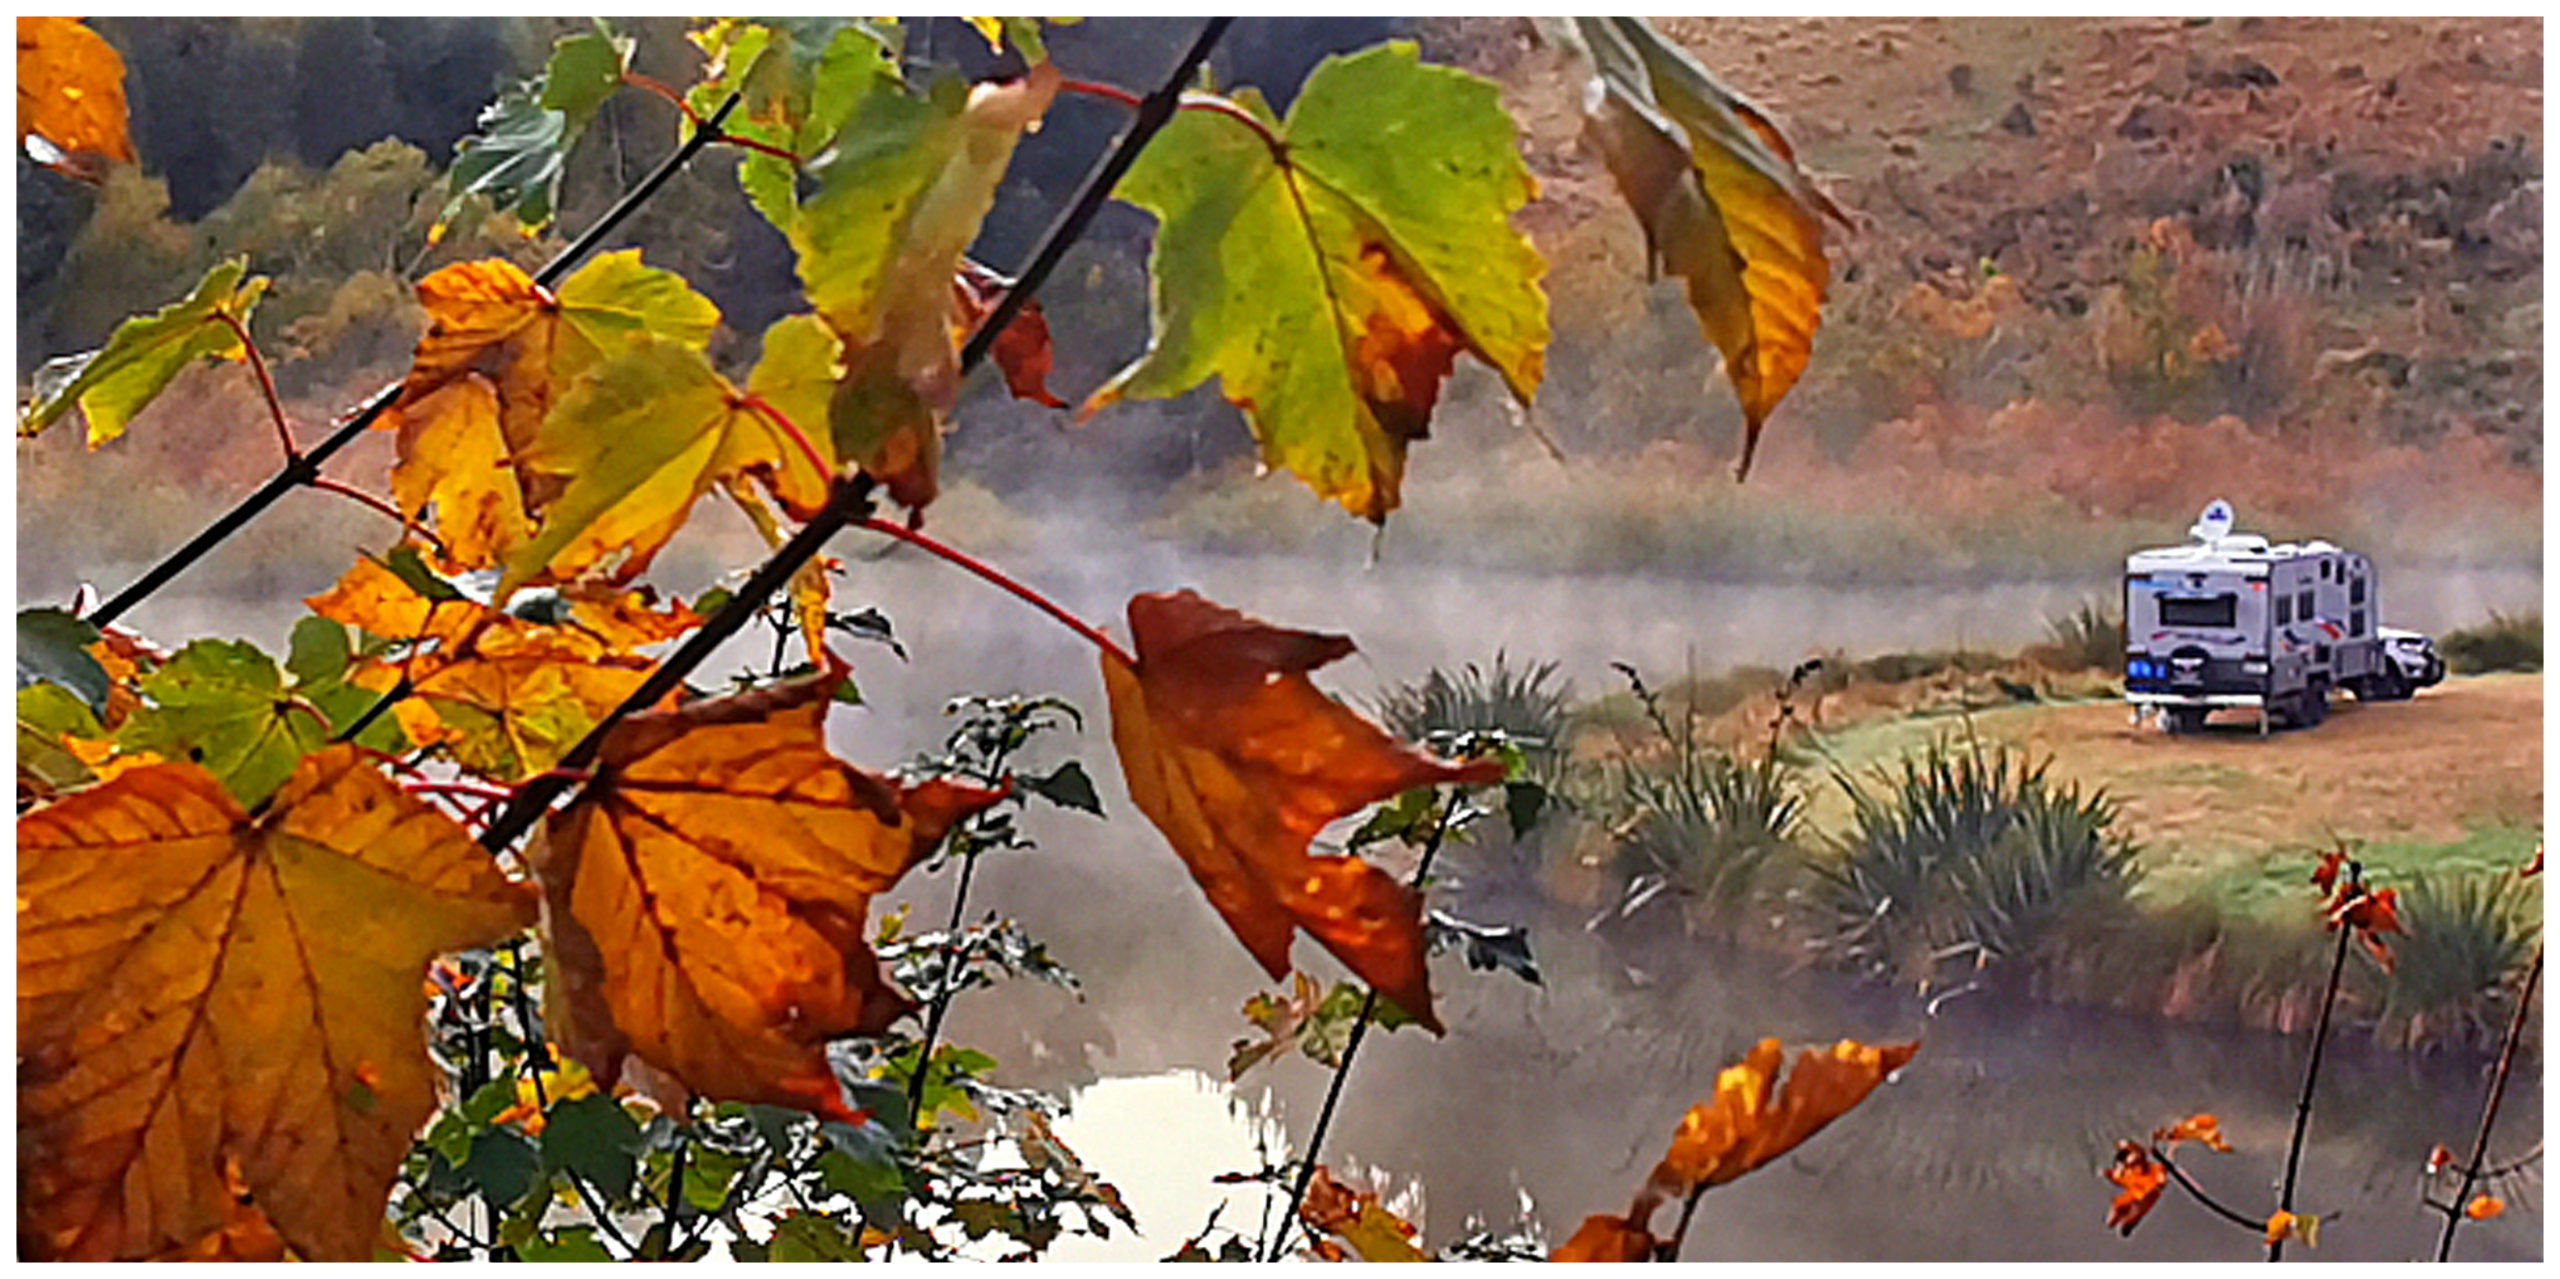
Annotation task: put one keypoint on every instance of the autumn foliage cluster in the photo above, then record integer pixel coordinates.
(233, 872)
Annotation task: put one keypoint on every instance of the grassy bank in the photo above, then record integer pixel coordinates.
(1936, 819)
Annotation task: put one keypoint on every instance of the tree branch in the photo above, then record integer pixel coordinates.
(303, 469)
(2453, 1217)
(849, 501)
(2311, 1071)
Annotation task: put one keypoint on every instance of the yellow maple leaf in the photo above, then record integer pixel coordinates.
(205, 997)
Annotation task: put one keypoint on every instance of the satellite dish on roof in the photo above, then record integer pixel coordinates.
(2215, 524)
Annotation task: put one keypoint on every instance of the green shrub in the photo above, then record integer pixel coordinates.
(1965, 854)
(1902, 668)
(2506, 642)
(2465, 937)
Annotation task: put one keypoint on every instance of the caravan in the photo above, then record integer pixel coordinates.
(2229, 620)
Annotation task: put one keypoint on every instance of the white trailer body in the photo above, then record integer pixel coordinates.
(2229, 620)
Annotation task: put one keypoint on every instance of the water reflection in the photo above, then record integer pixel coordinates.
(1164, 1138)
(1987, 1147)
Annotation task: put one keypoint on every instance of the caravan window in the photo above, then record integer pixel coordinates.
(2212, 610)
(2355, 590)
(2284, 609)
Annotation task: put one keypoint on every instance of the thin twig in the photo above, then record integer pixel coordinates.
(359, 496)
(2453, 1216)
(1086, 630)
(2311, 1071)
(947, 987)
(305, 468)
(266, 381)
(1669, 1249)
(1351, 1049)
(2189, 1185)
(674, 1217)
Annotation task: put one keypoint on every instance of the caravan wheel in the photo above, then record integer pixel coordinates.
(2314, 706)
(2186, 719)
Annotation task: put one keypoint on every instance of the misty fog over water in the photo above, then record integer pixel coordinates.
(1986, 1147)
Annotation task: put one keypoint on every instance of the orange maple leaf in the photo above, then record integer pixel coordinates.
(1356, 1217)
(1602, 1237)
(2139, 1181)
(2198, 1127)
(2534, 867)
(1022, 351)
(506, 696)
(210, 1003)
(2483, 1207)
(373, 599)
(71, 94)
(624, 620)
(705, 896)
(2370, 912)
(1239, 759)
(2282, 1225)
(2325, 875)
(1752, 1119)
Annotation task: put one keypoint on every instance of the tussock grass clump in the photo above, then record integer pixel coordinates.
(1525, 703)
(2506, 642)
(2466, 939)
(1701, 825)
(2090, 637)
(1963, 854)
(1694, 821)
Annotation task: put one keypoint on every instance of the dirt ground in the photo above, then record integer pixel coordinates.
(2450, 778)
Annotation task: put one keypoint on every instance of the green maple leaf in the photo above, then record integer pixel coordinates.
(47, 713)
(53, 648)
(798, 79)
(651, 429)
(223, 704)
(115, 382)
(899, 199)
(516, 157)
(1330, 292)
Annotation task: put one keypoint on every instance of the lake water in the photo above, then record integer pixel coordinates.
(1987, 1147)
